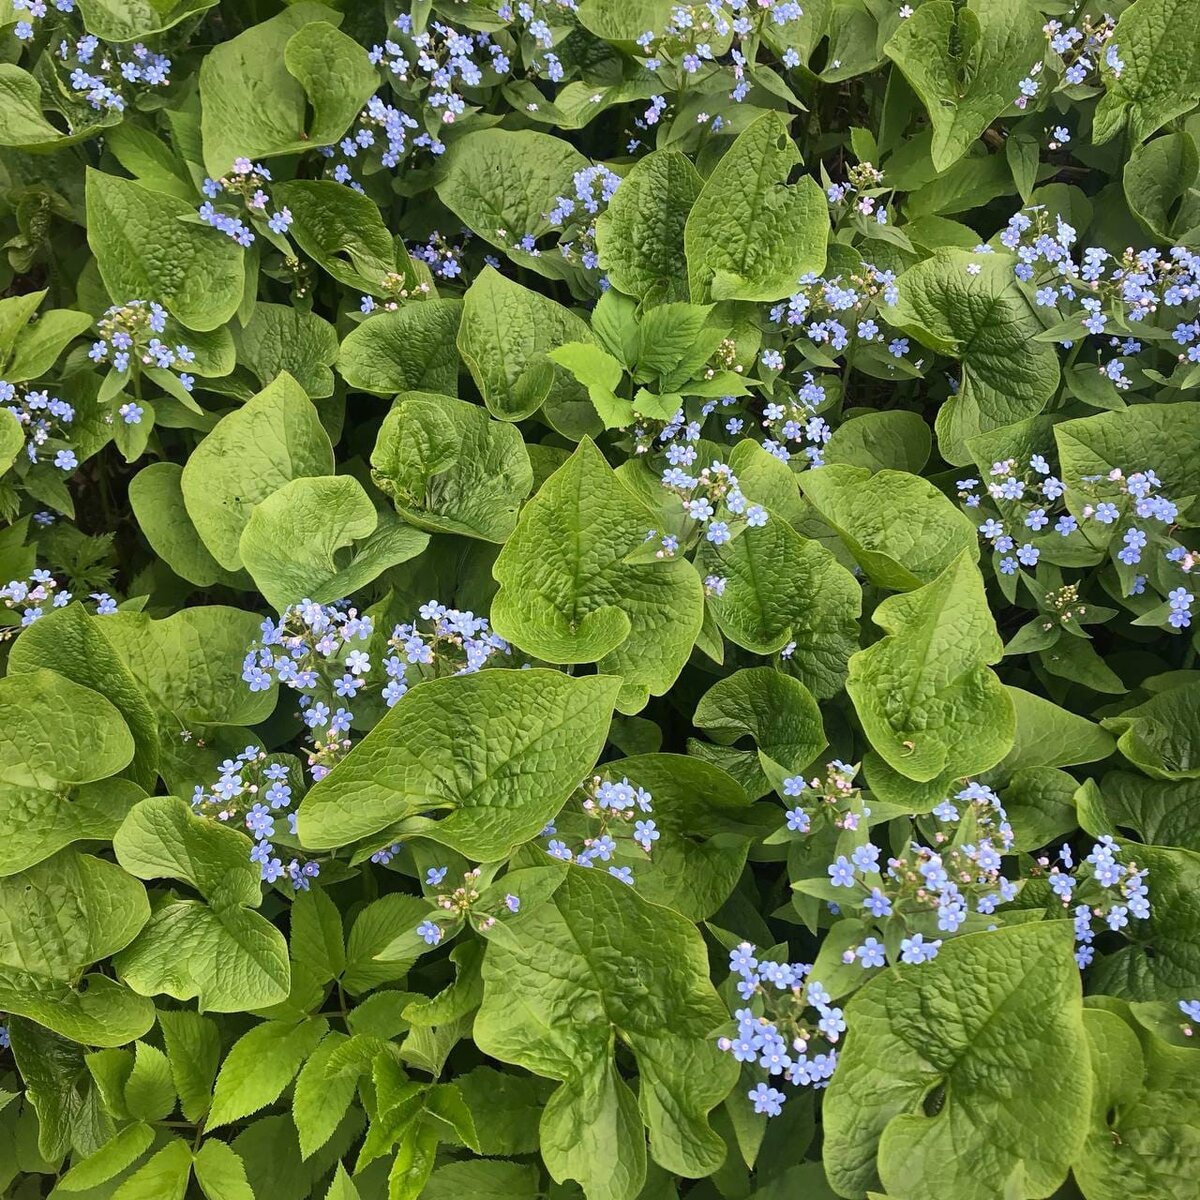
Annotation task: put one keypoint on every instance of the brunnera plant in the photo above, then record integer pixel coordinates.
(598, 599)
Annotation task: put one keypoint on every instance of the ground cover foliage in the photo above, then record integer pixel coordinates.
(598, 600)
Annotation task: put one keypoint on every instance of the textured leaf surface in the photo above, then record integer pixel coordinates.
(498, 752)
(953, 1024)
(924, 694)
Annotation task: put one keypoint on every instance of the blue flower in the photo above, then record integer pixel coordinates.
(430, 933)
(767, 1100)
(841, 873)
(435, 875)
(870, 953)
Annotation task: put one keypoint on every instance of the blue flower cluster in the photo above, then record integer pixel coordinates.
(1191, 1010)
(35, 10)
(459, 903)
(257, 792)
(311, 649)
(711, 500)
(244, 186)
(1031, 515)
(100, 72)
(594, 187)
(443, 257)
(130, 341)
(609, 809)
(1079, 54)
(44, 420)
(31, 595)
(791, 1015)
(1102, 888)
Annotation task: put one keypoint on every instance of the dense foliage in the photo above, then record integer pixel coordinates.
(598, 599)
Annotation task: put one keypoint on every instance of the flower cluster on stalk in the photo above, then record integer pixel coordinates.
(613, 813)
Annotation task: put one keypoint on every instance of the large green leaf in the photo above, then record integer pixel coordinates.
(560, 986)
(73, 643)
(924, 694)
(1161, 76)
(498, 752)
(278, 339)
(505, 332)
(1165, 437)
(410, 349)
(640, 238)
(982, 318)
(567, 595)
(450, 468)
(1162, 736)
(965, 62)
(502, 184)
(127, 20)
(750, 234)
(23, 123)
(949, 1030)
(258, 88)
(56, 920)
(220, 952)
(272, 439)
(1160, 813)
(148, 248)
(901, 530)
(291, 545)
(781, 588)
(1144, 1140)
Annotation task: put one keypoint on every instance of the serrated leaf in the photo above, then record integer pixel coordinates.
(259, 1066)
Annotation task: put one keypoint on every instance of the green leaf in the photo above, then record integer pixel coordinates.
(502, 184)
(895, 440)
(901, 530)
(145, 249)
(1161, 78)
(257, 89)
(483, 1180)
(293, 541)
(567, 595)
(560, 986)
(342, 232)
(781, 588)
(640, 237)
(260, 1065)
(12, 439)
(127, 20)
(1159, 180)
(281, 339)
(272, 439)
(1159, 813)
(950, 1026)
(164, 1177)
(1165, 434)
(232, 959)
(56, 920)
(193, 1047)
(317, 942)
(705, 824)
(156, 497)
(984, 321)
(452, 746)
(321, 1098)
(74, 644)
(221, 1173)
(774, 709)
(1162, 736)
(22, 120)
(965, 62)
(450, 468)
(1050, 736)
(924, 694)
(119, 1153)
(754, 242)
(505, 333)
(41, 342)
(376, 928)
(410, 349)
(149, 1090)
(1145, 1112)
(342, 1187)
